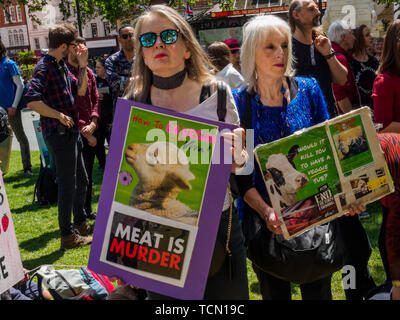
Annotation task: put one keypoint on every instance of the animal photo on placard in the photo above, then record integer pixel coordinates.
(163, 171)
(164, 175)
(282, 179)
(301, 215)
(360, 186)
(351, 142)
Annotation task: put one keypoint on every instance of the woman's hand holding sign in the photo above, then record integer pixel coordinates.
(237, 140)
(271, 220)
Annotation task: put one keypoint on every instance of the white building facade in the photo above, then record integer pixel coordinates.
(13, 29)
(100, 38)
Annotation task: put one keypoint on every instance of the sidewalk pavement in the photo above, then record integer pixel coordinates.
(27, 116)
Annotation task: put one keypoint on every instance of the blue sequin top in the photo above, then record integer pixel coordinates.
(308, 108)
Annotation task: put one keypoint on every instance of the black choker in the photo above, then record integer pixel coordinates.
(171, 82)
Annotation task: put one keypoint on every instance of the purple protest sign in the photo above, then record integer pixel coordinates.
(164, 186)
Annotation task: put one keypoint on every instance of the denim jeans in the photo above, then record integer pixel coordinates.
(72, 178)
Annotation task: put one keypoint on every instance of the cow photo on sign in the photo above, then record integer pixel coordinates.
(316, 174)
(299, 179)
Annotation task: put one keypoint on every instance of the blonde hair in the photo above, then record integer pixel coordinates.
(198, 65)
(256, 32)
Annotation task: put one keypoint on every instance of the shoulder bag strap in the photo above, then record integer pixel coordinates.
(67, 283)
(248, 116)
(293, 87)
(205, 93)
(221, 106)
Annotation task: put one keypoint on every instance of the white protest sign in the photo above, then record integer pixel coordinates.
(11, 271)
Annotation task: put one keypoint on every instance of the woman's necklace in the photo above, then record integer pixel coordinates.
(168, 83)
(280, 122)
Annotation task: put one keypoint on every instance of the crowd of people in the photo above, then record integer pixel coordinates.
(285, 76)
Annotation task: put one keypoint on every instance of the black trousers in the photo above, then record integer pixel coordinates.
(88, 154)
(272, 288)
(358, 251)
(382, 242)
(102, 134)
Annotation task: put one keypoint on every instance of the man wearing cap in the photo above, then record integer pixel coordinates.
(234, 46)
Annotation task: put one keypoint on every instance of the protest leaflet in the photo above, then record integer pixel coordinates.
(164, 186)
(11, 270)
(314, 175)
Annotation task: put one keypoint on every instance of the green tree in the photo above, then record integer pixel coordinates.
(110, 10)
(388, 2)
(25, 57)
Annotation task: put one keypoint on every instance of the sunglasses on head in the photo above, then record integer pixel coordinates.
(127, 35)
(148, 39)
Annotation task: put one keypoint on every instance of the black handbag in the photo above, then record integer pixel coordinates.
(312, 255)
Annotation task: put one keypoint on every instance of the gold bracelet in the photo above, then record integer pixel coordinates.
(396, 283)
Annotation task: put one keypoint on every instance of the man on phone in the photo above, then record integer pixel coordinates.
(312, 50)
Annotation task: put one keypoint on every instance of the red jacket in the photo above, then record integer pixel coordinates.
(88, 105)
(386, 96)
(349, 89)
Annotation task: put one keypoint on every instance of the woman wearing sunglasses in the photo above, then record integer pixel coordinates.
(173, 72)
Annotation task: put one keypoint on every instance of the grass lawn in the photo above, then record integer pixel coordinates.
(39, 242)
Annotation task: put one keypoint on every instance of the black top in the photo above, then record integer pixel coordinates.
(364, 76)
(310, 63)
(106, 104)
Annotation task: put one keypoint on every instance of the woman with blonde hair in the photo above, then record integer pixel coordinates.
(173, 72)
(278, 104)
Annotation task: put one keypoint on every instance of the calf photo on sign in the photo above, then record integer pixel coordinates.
(162, 195)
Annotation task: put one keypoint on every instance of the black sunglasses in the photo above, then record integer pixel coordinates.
(126, 35)
(168, 36)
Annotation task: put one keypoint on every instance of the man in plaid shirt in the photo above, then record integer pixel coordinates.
(52, 94)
